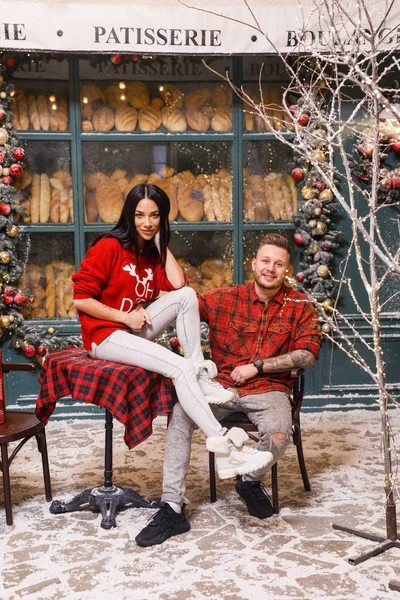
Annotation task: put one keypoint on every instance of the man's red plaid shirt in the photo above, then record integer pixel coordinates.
(244, 329)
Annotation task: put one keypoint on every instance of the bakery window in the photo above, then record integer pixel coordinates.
(197, 176)
(169, 94)
(46, 183)
(269, 191)
(48, 275)
(41, 100)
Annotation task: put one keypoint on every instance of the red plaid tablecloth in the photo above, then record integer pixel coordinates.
(134, 396)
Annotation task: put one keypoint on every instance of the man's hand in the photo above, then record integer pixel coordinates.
(137, 318)
(244, 373)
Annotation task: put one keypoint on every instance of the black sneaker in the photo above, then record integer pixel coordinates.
(163, 525)
(256, 498)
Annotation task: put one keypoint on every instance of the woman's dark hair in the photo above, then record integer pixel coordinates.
(125, 230)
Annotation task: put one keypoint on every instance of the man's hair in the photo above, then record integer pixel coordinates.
(276, 239)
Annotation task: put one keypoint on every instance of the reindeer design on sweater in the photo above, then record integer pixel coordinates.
(143, 288)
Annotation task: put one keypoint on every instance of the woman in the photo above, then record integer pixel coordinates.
(122, 271)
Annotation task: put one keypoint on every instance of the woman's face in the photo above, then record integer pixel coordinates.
(147, 220)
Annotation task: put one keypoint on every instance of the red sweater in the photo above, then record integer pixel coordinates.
(110, 274)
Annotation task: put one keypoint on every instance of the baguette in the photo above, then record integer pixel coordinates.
(55, 206)
(33, 113)
(35, 198)
(50, 291)
(43, 110)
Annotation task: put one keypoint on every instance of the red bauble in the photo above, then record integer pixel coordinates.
(395, 146)
(298, 239)
(5, 208)
(303, 119)
(29, 350)
(116, 59)
(9, 62)
(9, 290)
(2, 114)
(174, 341)
(327, 246)
(6, 299)
(20, 299)
(320, 185)
(297, 174)
(7, 180)
(395, 181)
(300, 276)
(2, 157)
(135, 57)
(19, 153)
(31, 300)
(16, 170)
(41, 350)
(293, 108)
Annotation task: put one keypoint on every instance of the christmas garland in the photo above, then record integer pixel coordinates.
(315, 234)
(16, 302)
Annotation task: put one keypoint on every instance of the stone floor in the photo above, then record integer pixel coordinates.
(227, 555)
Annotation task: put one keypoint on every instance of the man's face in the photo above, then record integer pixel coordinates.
(270, 266)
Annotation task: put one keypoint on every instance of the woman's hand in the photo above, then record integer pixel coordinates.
(137, 318)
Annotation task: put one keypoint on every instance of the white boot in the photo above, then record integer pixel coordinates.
(233, 460)
(214, 392)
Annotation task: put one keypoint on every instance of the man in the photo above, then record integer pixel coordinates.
(258, 333)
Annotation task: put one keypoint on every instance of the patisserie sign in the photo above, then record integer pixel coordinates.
(172, 27)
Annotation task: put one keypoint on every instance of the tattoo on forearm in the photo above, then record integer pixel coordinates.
(298, 359)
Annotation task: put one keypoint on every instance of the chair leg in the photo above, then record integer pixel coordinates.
(42, 446)
(302, 464)
(6, 484)
(213, 485)
(275, 497)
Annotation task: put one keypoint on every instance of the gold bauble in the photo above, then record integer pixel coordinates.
(313, 248)
(12, 318)
(327, 304)
(317, 211)
(3, 95)
(17, 344)
(320, 228)
(312, 223)
(320, 156)
(51, 330)
(12, 231)
(307, 192)
(5, 258)
(326, 328)
(326, 195)
(3, 136)
(323, 271)
(5, 321)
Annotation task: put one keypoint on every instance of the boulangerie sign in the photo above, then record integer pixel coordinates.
(174, 27)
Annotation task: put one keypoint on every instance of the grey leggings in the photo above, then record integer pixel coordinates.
(139, 350)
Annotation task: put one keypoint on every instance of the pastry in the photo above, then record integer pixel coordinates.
(198, 98)
(171, 95)
(103, 119)
(190, 201)
(109, 201)
(212, 266)
(91, 93)
(23, 112)
(173, 119)
(64, 205)
(138, 94)
(55, 206)
(14, 114)
(157, 103)
(87, 125)
(126, 119)
(197, 120)
(221, 95)
(115, 97)
(166, 171)
(222, 119)
(149, 118)
(91, 211)
(50, 292)
(62, 115)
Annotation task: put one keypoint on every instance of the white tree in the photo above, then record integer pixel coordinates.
(333, 105)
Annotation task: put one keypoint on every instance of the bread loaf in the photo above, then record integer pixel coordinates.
(53, 119)
(103, 119)
(149, 118)
(14, 114)
(55, 206)
(64, 205)
(190, 201)
(23, 113)
(171, 95)
(33, 113)
(166, 171)
(170, 188)
(126, 119)
(222, 119)
(43, 111)
(62, 114)
(197, 120)
(50, 292)
(35, 198)
(138, 94)
(93, 179)
(221, 95)
(109, 201)
(87, 125)
(198, 98)
(293, 191)
(173, 119)
(91, 212)
(137, 180)
(212, 266)
(45, 197)
(115, 97)
(91, 93)
(208, 202)
(157, 103)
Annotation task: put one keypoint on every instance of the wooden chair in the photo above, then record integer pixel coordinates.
(241, 420)
(19, 425)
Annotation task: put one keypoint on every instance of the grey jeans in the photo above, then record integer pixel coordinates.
(270, 412)
(139, 350)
